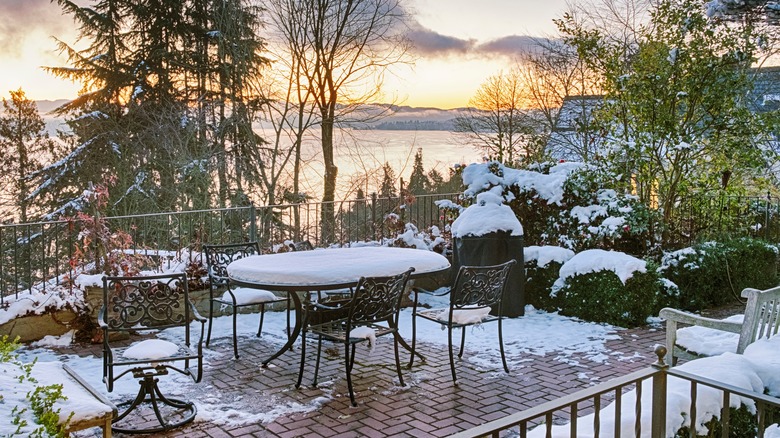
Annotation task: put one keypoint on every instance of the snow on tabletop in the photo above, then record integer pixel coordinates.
(707, 341)
(595, 260)
(333, 266)
(487, 215)
(83, 404)
(546, 254)
(151, 349)
(246, 295)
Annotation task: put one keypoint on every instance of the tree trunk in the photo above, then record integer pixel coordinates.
(327, 215)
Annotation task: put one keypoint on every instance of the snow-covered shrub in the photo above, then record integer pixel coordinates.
(607, 286)
(542, 264)
(714, 273)
(572, 205)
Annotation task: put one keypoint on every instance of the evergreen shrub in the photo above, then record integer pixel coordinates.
(602, 297)
(712, 274)
(538, 284)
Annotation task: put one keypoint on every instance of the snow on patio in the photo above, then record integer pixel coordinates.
(535, 334)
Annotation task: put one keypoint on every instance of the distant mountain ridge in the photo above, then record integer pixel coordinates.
(395, 118)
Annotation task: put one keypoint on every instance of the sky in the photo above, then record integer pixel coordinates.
(459, 44)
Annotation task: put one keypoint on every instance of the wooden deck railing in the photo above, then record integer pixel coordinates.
(569, 407)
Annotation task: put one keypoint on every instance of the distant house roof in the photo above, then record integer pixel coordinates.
(567, 136)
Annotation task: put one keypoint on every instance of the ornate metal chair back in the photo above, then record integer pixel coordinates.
(378, 298)
(481, 286)
(218, 257)
(157, 301)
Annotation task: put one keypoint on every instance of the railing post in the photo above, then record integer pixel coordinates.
(658, 419)
(373, 215)
(252, 223)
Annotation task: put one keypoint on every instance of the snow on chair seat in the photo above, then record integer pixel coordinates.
(246, 295)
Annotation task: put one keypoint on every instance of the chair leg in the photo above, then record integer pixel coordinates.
(317, 362)
(289, 304)
(452, 357)
(211, 316)
(398, 362)
(303, 357)
(462, 341)
(262, 316)
(501, 346)
(414, 330)
(235, 336)
(349, 361)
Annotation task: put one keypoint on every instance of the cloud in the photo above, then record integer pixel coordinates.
(429, 43)
(23, 18)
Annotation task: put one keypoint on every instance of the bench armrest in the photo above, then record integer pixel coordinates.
(678, 316)
(674, 316)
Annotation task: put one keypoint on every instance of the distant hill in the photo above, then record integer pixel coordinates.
(384, 117)
(46, 106)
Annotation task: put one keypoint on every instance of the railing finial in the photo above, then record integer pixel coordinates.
(660, 351)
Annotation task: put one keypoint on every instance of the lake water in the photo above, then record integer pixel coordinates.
(360, 156)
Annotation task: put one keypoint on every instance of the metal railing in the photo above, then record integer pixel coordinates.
(706, 215)
(571, 408)
(41, 254)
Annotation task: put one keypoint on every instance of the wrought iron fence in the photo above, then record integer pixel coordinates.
(705, 216)
(568, 411)
(40, 254)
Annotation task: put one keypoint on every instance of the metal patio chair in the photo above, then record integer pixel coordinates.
(151, 302)
(218, 257)
(476, 289)
(374, 307)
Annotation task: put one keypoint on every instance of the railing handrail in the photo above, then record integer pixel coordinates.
(658, 371)
(556, 405)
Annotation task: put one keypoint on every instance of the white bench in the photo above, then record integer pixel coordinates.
(762, 320)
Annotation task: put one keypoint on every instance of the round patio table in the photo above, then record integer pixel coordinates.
(328, 269)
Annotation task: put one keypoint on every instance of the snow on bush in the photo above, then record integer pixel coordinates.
(573, 205)
(607, 286)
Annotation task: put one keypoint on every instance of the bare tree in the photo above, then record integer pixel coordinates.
(343, 48)
(499, 120)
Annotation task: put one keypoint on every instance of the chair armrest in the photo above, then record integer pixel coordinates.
(679, 316)
(195, 314)
(674, 316)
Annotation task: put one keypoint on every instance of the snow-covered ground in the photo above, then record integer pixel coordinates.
(537, 333)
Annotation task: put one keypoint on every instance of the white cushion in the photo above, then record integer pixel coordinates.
(151, 349)
(465, 315)
(246, 295)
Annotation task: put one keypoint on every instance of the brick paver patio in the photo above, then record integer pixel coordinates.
(429, 406)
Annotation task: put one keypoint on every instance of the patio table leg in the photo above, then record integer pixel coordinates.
(296, 329)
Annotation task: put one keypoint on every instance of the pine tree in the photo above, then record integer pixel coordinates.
(25, 147)
(165, 106)
(418, 181)
(387, 189)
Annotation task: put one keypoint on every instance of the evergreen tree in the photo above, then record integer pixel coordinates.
(25, 147)
(418, 181)
(166, 95)
(387, 188)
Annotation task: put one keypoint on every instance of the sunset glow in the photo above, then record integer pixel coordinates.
(472, 36)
